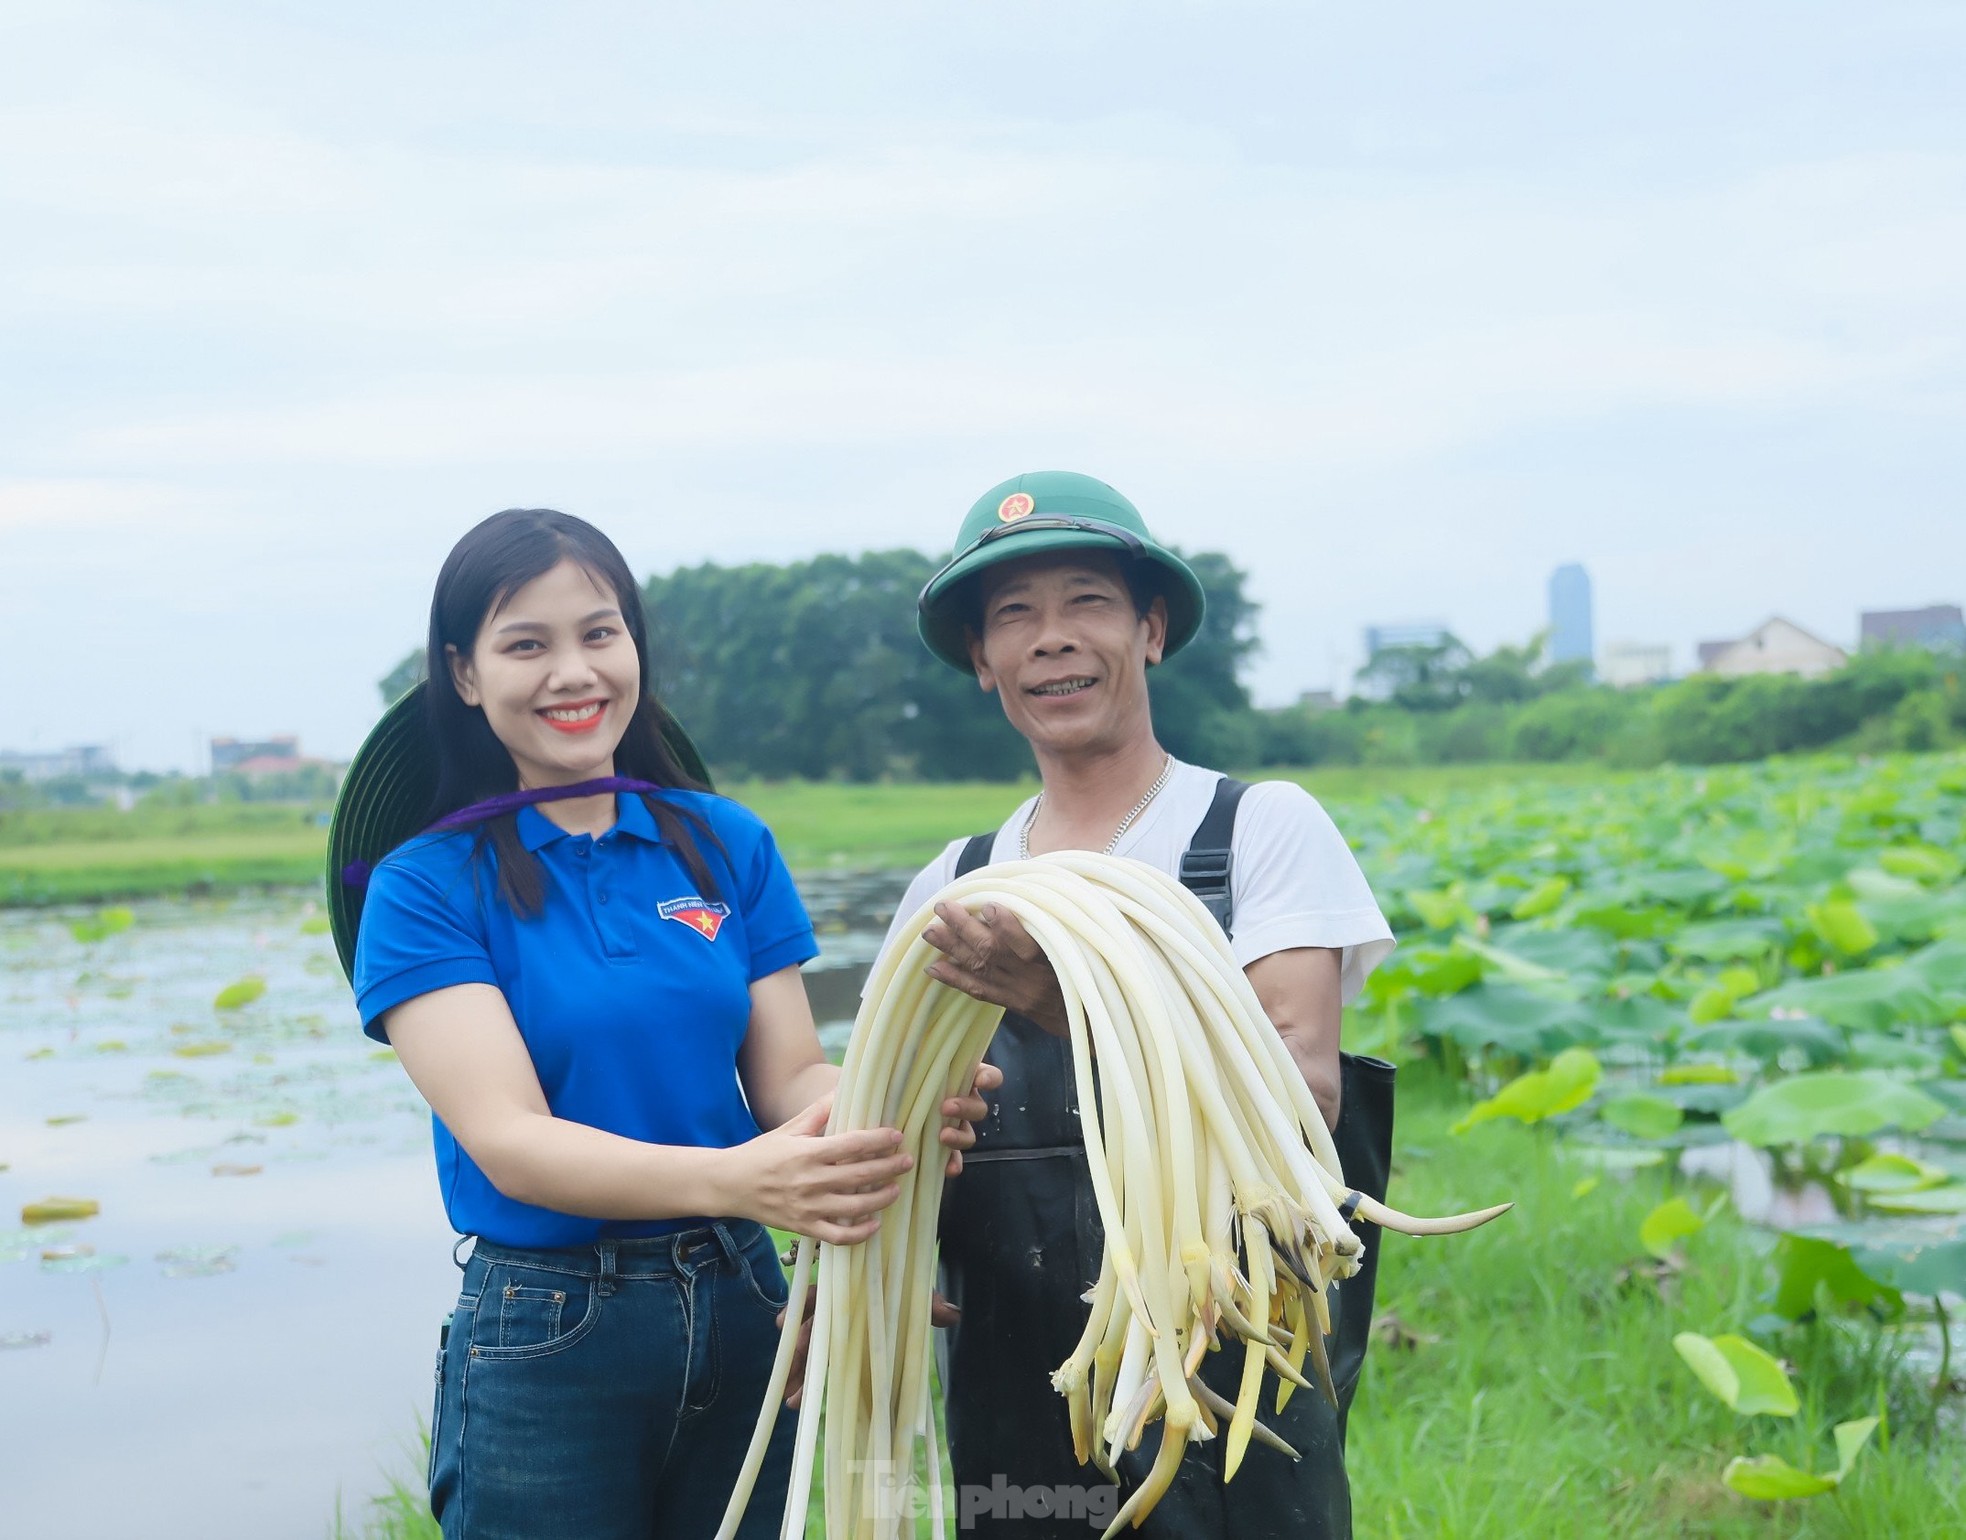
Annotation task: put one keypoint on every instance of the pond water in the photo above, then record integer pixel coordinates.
(245, 1334)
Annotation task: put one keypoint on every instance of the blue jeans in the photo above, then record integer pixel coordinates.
(608, 1392)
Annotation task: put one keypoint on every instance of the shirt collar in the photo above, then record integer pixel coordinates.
(631, 816)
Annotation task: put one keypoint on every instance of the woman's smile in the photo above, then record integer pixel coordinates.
(577, 717)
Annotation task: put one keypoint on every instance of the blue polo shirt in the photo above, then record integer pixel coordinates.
(630, 987)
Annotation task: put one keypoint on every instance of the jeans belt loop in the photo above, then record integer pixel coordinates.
(733, 1257)
(606, 1285)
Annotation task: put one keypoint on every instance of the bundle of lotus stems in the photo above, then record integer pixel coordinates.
(1223, 1200)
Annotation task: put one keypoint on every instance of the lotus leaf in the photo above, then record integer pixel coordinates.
(1541, 899)
(1769, 1478)
(1717, 1001)
(1568, 1083)
(1568, 952)
(1920, 1256)
(1628, 922)
(1739, 1373)
(1812, 1042)
(1699, 1074)
(1811, 1106)
(56, 1210)
(1669, 1223)
(1728, 940)
(1811, 1268)
(1641, 1116)
(235, 995)
(1440, 910)
(1936, 1200)
(1876, 997)
(1507, 1017)
(1842, 926)
(1917, 919)
(1942, 965)
(1922, 863)
(1892, 1173)
(1614, 1157)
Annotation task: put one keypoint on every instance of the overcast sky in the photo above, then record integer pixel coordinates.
(1401, 305)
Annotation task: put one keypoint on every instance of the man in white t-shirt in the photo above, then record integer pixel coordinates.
(1059, 600)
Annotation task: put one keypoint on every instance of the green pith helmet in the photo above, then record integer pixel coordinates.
(385, 799)
(1049, 511)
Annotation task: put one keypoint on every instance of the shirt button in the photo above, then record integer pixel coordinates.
(604, 898)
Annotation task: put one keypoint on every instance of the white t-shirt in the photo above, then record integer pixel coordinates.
(1294, 879)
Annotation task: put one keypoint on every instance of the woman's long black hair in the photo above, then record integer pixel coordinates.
(490, 564)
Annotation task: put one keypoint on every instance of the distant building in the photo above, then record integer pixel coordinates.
(262, 756)
(1940, 627)
(84, 760)
(1571, 638)
(1415, 633)
(1625, 664)
(1318, 700)
(1776, 646)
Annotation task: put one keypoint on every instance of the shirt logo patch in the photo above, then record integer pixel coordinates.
(703, 918)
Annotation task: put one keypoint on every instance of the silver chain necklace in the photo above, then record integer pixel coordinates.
(1153, 791)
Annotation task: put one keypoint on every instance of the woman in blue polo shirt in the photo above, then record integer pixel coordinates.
(590, 967)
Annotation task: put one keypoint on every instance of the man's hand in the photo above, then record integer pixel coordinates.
(964, 1112)
(992, 957)
(940, 1313)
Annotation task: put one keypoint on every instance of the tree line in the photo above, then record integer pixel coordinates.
(813, 669)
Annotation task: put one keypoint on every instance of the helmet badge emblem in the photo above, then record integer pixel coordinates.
(1018, 505)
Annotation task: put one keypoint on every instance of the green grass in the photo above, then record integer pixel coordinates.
(92, 855)
(1553, 1402)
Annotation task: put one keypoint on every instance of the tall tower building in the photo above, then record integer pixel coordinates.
(1570, 615)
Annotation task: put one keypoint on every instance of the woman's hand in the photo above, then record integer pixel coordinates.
(799, 1177)
(991, 956)
(964, 1112)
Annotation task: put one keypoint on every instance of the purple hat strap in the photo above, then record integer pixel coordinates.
(356, 873)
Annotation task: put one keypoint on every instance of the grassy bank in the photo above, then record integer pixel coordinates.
(1539, 1393)
(91, 855)
(1525, 1381)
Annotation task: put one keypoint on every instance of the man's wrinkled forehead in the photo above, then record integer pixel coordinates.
(1006, 577)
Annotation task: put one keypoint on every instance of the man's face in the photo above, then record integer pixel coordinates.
(1064, 649)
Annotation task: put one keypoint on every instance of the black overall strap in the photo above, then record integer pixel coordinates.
(1207, 866)
(976, 853)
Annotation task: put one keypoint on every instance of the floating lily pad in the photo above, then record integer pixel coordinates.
(202, 1050)
(198, 1261)
(58, 1210)
(81, 1259)
(242, 993)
